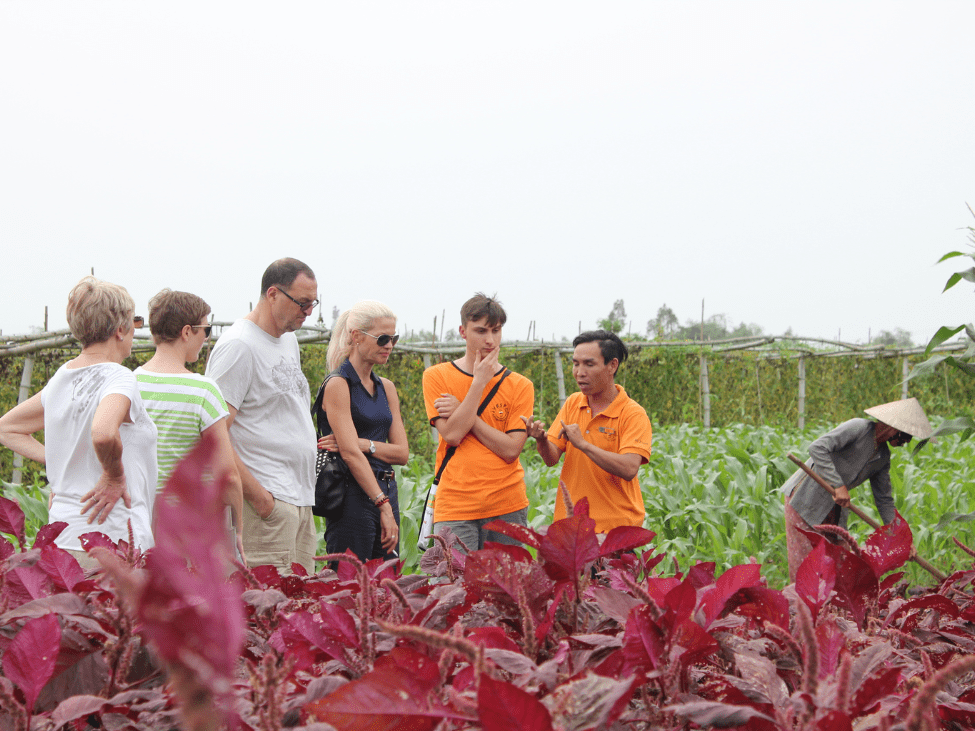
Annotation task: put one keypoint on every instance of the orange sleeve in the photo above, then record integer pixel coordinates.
(637, 433)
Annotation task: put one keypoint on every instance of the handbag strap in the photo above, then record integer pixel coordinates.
(316, 409)
(480, 410)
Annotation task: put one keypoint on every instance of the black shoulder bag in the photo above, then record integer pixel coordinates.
(332, 474)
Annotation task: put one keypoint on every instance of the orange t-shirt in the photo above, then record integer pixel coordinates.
(623, 428)
(478, 483)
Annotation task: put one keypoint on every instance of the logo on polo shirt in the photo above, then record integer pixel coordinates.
(500, 411)
(608, 431)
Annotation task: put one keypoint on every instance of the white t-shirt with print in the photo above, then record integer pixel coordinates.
(70, 400)
(261, 377)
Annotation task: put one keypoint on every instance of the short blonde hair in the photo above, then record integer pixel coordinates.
(97, 309)
(360, 316)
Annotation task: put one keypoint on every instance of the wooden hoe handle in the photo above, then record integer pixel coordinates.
(863, 516)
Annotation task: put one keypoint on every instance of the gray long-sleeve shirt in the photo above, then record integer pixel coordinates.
(846, 456)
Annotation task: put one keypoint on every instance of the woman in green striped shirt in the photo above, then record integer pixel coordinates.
(184, 404)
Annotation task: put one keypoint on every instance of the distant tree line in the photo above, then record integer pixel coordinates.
(666, 326)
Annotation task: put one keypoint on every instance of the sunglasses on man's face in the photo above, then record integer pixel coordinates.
(207, 329)
(383, 340)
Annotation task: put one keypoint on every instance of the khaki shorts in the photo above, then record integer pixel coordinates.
(286, 536)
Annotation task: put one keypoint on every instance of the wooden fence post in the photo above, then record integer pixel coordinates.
(705, 392)
(24, 394)
(905, 369)
(802, 392)
(560, 377)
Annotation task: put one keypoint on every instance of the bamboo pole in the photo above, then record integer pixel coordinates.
(863, 516)
(905, 371)
(802, 392)
(705, 392)
(22, 396)
(560, 377)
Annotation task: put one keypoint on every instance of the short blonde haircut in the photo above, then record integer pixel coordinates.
(360, 316)
(97, 309)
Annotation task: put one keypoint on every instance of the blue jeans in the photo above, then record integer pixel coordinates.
(473, 535)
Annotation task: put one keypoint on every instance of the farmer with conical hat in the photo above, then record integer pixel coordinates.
(851, 454)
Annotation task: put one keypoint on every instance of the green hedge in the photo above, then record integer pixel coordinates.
(744, 388)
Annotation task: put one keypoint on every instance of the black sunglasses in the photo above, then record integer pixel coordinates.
(207, 329)
(383, 340)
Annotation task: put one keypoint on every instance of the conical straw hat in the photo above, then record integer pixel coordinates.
(904, 415)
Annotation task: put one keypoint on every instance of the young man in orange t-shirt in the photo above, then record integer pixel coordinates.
(604, 434)
(484, 479)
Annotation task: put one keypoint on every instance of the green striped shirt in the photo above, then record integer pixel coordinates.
(182, 405)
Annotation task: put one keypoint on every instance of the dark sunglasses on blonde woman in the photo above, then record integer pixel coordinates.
(383, 340)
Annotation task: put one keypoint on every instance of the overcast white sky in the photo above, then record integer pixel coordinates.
(796, 165)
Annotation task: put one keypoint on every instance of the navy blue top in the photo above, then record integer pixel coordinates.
(371, 414)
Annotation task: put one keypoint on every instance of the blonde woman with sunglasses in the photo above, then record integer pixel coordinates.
(361, 421)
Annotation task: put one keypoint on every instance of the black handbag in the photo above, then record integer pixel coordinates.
(332, 475)
(330, 485)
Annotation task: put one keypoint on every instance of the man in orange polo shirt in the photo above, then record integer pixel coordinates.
(604, 434)
(483, 479)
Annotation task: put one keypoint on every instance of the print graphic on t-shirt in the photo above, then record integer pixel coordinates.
(500, 411)
(287, 376)
(87, 386)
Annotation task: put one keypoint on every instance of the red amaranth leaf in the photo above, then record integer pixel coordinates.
(61, 567)
(889, 547)
(6, 549)
(503, 707)
(727, 585)
(570, 544)
(873, 690)
(625, 538)
(722, 715)
(187, 607)
(339, 624)
(680, 603)
(97, 538)
(399, 693)
(815, 578)
(30, 659)
(701, 574)
(12, 520)
(643, 642)
(834, 721)
(931, 601)
(831, 640)
(301, 628)
(47, 533)
(492, 637)
(762, 603)
(856, 584)
(24, 583)
(519, 532)
(659, 586)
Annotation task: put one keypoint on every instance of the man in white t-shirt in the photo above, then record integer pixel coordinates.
(257, 365)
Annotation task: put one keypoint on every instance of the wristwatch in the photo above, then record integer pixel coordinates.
(372, 447)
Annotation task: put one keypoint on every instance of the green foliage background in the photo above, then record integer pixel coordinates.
(745, 388)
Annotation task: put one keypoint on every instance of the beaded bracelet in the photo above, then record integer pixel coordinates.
(381, 500)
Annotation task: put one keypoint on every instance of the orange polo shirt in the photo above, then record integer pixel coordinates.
(623, 428)
(478, 483)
